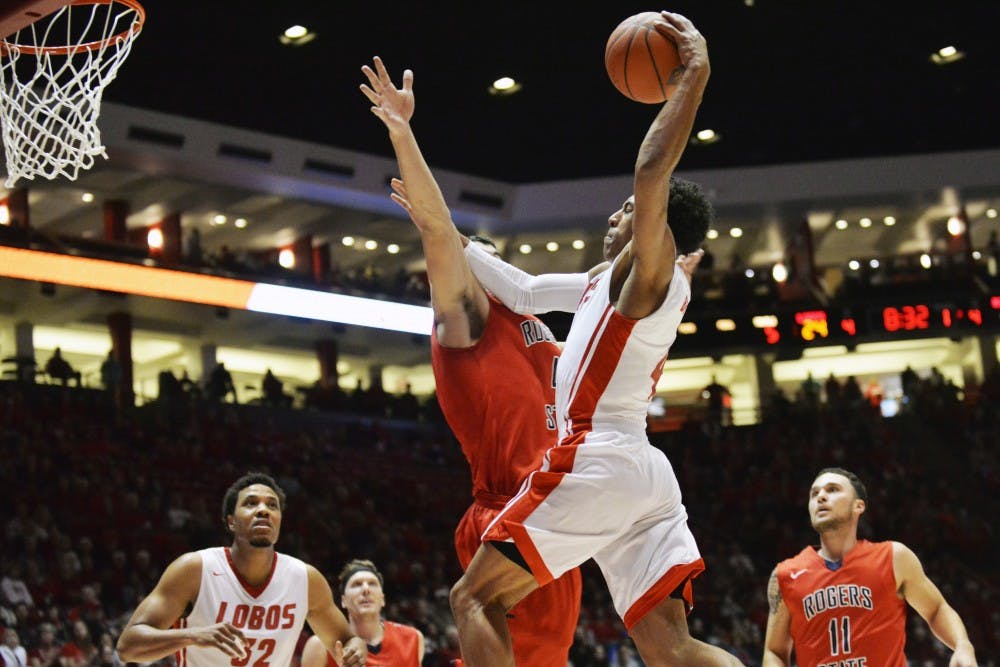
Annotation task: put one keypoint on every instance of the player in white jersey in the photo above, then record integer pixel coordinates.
(239, 605)
(603, 492)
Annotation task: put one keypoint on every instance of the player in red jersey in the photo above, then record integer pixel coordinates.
(842, 605)
(504, 427)
(389, 644)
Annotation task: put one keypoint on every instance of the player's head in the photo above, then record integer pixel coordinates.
(252, 508)
(689, 215)
(361, 588)
(837, 498)
(486, 244)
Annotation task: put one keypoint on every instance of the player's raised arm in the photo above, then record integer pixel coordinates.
(460, 304)
(921, 594)
(653, 249)
(778, 638)
(329, 624)
(148, 636)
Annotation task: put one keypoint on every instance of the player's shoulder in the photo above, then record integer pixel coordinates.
(902, 555)
(869, 549)
(402, 629)
(188, 563)
(804, 557)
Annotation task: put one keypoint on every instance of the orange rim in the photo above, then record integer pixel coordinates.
(140, 19)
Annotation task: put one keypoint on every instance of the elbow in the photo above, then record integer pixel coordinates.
(647, 164)
(126, 647)
(653, 168)
(125, 650)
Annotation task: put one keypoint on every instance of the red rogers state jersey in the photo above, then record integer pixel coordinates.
(499, 399)
(851, 617)
(271, 616)
(399, 647)
(610, 364)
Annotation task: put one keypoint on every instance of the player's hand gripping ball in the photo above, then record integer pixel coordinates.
(641, 61)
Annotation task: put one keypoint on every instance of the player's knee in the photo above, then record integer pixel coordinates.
(462, 599)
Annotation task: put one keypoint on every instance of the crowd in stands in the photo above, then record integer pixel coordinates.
(100, 500)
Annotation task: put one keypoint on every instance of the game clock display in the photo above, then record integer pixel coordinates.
(890, 320)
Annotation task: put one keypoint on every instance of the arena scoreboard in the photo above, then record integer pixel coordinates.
(847, 324)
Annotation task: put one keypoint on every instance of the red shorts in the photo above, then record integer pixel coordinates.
(541, 625)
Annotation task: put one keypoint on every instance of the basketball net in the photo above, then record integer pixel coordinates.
(52, 76)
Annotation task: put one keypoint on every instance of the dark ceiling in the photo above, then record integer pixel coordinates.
(792, 80)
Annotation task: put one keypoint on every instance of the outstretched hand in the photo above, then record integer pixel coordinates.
(394, 106)
(689, 262)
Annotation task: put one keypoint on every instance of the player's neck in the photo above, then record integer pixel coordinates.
(253, 563)
(369, 627)
(835, 544)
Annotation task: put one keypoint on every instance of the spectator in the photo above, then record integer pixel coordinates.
(46, 651)
(13, 654)
(909, 380)
(809, 392)
(111, 374)
(273, 391)
(58, 368)
(833, 392)
(13, 590)
(718, 402)
(80, 650)
(193, 251)
(169, 387)
(220, 384)
(188, 386)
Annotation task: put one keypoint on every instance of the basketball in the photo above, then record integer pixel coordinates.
(643, 64)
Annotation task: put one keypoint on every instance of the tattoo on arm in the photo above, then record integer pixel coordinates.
(773, 592)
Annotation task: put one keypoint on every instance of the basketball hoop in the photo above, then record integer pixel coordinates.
(52, 75)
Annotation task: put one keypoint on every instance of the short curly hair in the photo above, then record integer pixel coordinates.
(689, 214)
(249, 479)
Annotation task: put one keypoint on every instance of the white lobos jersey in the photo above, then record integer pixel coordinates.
(610, 364)
(271, 616)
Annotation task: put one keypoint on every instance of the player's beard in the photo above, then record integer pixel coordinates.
(829, 523)
(261, 542)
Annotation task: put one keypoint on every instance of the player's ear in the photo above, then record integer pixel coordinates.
(860, 506)
(230, 523)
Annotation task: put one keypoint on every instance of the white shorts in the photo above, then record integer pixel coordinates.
(614, 498)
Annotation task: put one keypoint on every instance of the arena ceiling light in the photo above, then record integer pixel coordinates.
(705, 137)
(947, 55)
(505, 85)
(296, 35)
